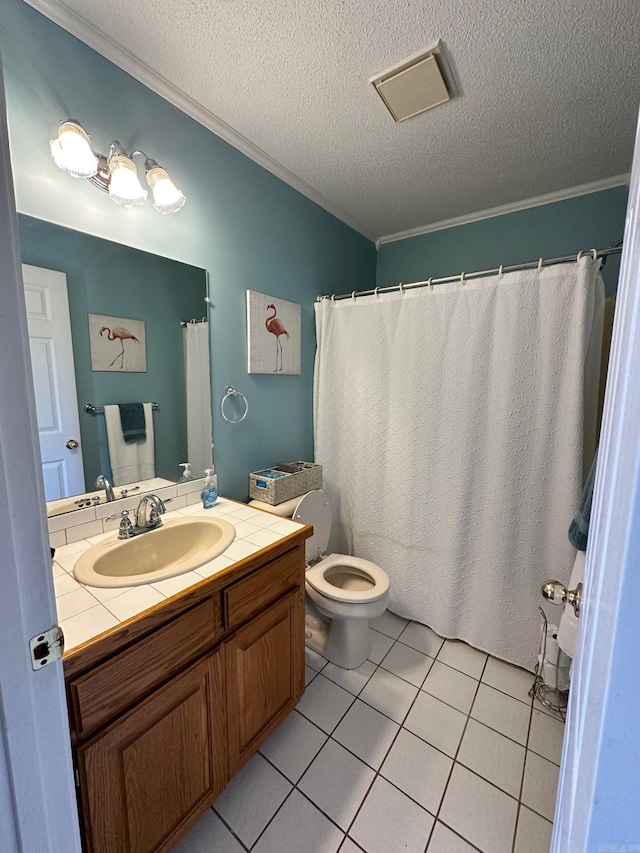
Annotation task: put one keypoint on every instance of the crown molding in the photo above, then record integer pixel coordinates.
(513, 207)
(79, 27)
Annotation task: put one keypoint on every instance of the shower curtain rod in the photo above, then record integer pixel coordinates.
(465, 276)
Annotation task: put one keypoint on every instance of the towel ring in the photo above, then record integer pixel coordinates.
(231, 392)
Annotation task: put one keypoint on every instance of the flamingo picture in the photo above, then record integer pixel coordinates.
(119, 333)
(276, 327)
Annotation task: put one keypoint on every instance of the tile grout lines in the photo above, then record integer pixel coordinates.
(455, 758)
(378, 772)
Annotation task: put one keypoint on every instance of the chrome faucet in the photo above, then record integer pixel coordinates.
(103, 483)
(147, 517)
(148, 512)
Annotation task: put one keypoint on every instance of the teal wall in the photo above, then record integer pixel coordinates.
(247, 228)
(107, 278)
(551, 230)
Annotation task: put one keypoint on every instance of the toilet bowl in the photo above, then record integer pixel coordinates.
(343, 593)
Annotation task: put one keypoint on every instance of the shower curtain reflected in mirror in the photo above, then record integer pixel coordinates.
(198, 385)
(452, 425)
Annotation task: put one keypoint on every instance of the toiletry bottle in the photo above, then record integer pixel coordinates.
(186, 474)
(209, 492)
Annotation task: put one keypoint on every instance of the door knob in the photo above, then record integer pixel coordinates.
(72, 444)
(555, 592)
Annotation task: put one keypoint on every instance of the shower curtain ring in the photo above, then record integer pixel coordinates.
(353, 295)
(376, 292)
(463, 278)
(594, 254)
(333, 298)
(430, 283)
(540, 265)
(401, 287)
(579, 258)
(500, 271)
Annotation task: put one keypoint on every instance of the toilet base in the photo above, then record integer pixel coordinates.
(348, 642)
(316, 629)
(344, 642)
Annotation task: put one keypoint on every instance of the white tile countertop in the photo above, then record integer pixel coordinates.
(86, 611)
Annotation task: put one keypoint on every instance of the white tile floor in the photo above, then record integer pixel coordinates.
(429, 746)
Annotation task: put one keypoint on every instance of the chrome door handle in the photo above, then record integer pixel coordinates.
(555, 592)
(72, 444)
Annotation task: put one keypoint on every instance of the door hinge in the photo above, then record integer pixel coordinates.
(46, 647)
(76, 776)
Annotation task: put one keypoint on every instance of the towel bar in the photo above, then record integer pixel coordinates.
(90, 409)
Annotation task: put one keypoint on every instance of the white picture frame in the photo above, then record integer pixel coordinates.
(117, 344)
(273, 335)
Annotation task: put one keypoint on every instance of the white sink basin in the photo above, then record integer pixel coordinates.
(179, 546)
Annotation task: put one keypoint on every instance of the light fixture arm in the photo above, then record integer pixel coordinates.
(116, 149)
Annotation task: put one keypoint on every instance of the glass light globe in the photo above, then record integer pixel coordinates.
(124, 186)
(167, 198)
(71, 151)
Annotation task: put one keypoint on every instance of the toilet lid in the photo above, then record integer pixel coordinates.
(285, 509)
(315, 509)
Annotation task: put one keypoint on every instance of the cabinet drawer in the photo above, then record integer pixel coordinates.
(112, 686)
(251, 595)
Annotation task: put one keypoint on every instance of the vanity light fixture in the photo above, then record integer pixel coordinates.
(115, 173)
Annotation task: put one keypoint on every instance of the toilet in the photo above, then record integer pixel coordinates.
(343, 593)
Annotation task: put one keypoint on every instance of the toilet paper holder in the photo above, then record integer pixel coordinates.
(557, 593)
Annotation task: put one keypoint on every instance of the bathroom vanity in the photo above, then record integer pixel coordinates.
(167, 706)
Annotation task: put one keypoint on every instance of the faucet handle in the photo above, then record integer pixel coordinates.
(124, 531)
(125, 492)
(158, 508)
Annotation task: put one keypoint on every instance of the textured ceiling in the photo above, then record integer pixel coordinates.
(549, 92)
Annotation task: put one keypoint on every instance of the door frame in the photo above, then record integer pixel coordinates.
(38, 808)
(597, 802)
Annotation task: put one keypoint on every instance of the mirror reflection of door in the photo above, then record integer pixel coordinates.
(54, 382)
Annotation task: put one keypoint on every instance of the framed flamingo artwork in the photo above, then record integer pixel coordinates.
(273, 334)
(117, 344)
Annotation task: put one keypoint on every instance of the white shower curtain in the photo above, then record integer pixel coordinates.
(451, 423)
(198, 383)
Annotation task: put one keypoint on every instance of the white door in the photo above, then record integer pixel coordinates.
(38, 811)
(597, 805)
(54, 381)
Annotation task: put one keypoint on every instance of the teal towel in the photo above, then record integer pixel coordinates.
(579, 529)
(133, 422)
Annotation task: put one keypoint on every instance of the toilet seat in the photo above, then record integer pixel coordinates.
(316, 578)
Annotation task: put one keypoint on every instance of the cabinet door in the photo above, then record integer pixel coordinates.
(158, 766)
(265, 675)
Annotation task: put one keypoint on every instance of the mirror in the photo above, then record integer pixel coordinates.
(124, 308)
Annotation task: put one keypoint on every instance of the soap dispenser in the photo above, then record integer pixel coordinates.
(186, 474)
(209, 492)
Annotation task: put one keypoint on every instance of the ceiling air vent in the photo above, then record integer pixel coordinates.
(416, 84)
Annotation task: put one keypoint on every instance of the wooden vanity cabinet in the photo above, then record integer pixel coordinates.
(264, 677)
(158, 765)
(177, 700)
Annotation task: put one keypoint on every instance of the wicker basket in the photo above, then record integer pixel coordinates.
(285, 481)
